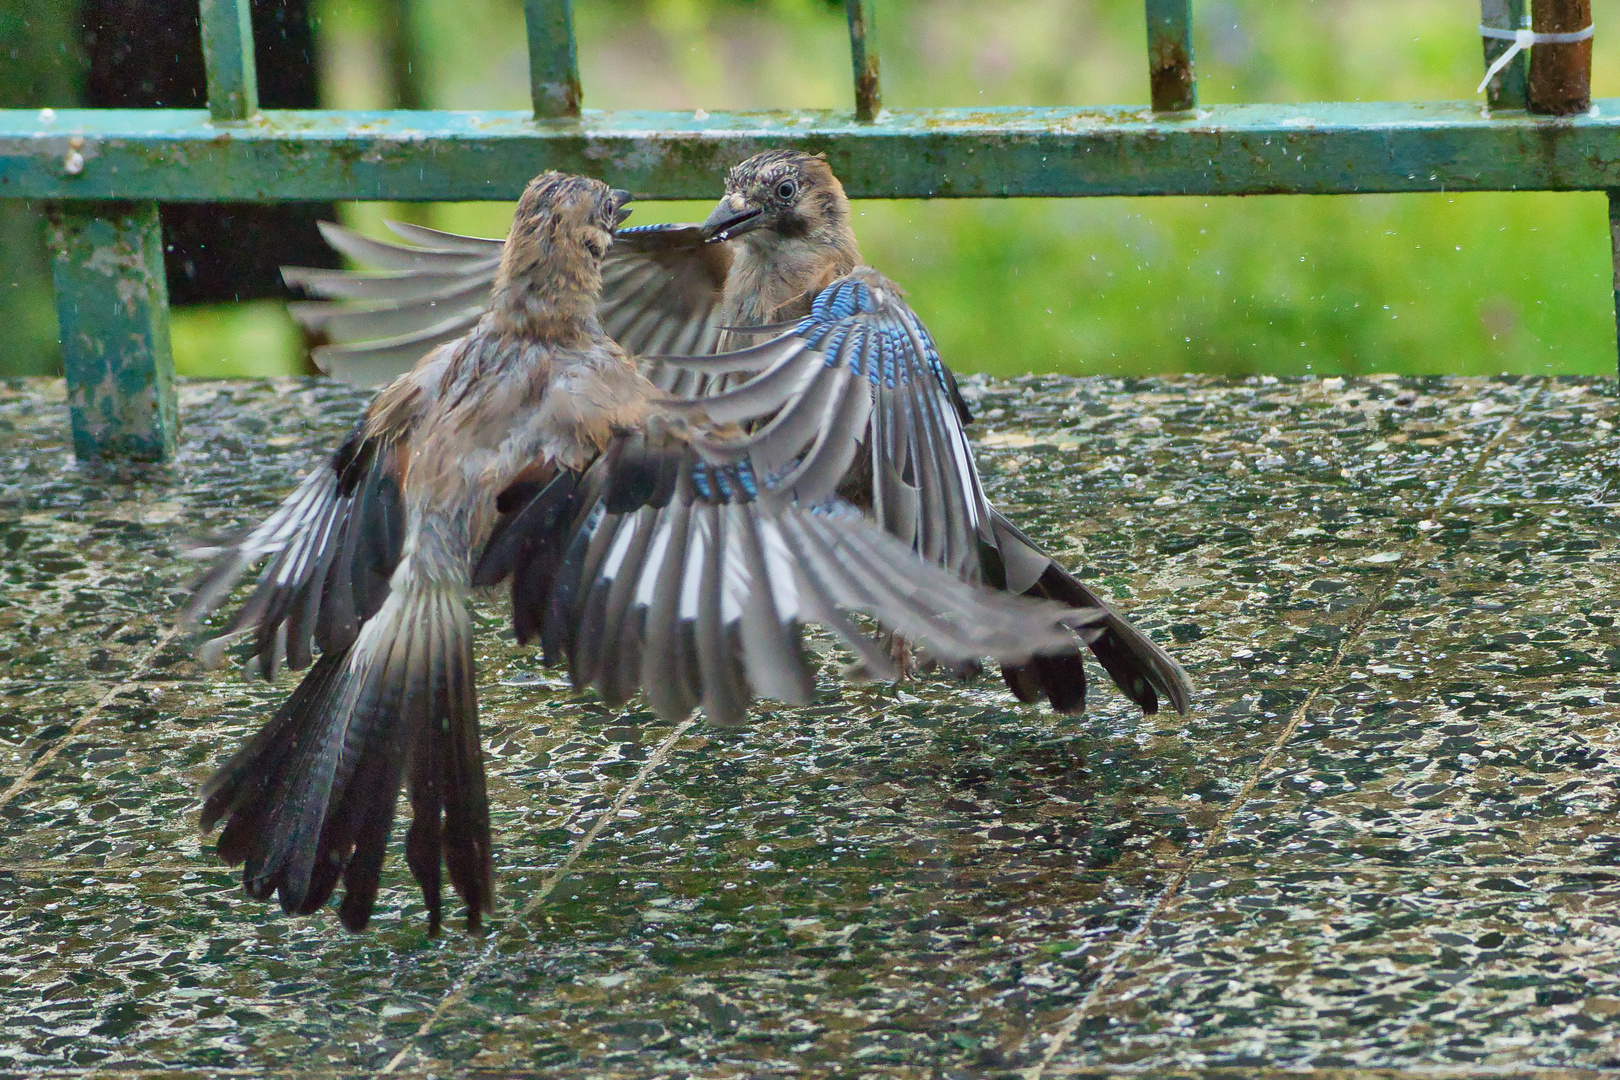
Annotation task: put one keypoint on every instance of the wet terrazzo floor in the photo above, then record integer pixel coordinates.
(1385, 843)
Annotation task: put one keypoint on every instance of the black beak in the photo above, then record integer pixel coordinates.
(731, 219)
(620, 210)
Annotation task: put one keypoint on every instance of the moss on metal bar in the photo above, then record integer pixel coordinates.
(113, 308)
(1323, 148)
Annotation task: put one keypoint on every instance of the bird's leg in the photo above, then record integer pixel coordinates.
(905, 661)
(900, 653)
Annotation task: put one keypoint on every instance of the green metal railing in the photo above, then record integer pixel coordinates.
(105, 169)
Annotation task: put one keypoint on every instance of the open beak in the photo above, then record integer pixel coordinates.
(620, 210)
(731, 219)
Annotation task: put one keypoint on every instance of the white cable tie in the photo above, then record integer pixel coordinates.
(1523, 39)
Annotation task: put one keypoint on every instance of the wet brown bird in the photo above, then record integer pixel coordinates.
(651, 546)
(778, 251)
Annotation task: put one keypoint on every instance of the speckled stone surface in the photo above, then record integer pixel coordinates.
(1385, 843)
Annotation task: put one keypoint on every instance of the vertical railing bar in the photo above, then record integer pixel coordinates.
(1506, 89)
(553, 64)
(112, 305)
(227, 42)
(1560, 78)
(863, 54)
(402, 48)
(1170, 55)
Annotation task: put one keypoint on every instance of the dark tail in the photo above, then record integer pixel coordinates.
(1141, 669)
(311, 798)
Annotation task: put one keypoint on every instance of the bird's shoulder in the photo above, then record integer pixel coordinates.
(863, 291)
(866, 302)
(399, 408)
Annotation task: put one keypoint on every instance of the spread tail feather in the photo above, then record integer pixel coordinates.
(310, 799)
(1141, 669)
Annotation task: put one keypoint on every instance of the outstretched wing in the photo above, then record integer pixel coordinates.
(862, 343)
(862, 360)
(379, 323)
(669, 567)
(1139, 667)
(661, 288)
(310, 799)
(329, 549)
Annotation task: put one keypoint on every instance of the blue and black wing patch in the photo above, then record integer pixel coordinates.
(672, 567)
(861, 366)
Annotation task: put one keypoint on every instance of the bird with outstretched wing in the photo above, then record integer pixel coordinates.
(771, 285)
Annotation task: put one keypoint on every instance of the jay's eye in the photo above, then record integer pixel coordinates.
(786, 190)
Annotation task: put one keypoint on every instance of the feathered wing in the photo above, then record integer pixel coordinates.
(661, 289)
(1138, 666)
(309, 801)
(379, 323)
(861, 342)
(669, 567)
(915, 473)
(329, 551)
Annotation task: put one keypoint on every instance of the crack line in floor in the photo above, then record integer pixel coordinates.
(1066, 1030)
(133, 682)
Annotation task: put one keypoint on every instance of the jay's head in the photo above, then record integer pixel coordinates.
(552, 265)
(568, 217)
(781, 195)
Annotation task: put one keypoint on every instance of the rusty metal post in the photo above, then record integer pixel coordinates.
(1506, 88)
(863, 54)
(1561, 74)
(1170, 55)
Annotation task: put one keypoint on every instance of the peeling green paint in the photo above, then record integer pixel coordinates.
(113, 308)
(109, 262)
(1170, 55)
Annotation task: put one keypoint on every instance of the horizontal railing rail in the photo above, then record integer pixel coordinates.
(104, 170)
(1328, 148)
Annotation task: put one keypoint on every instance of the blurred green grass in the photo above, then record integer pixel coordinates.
(1419, 284)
